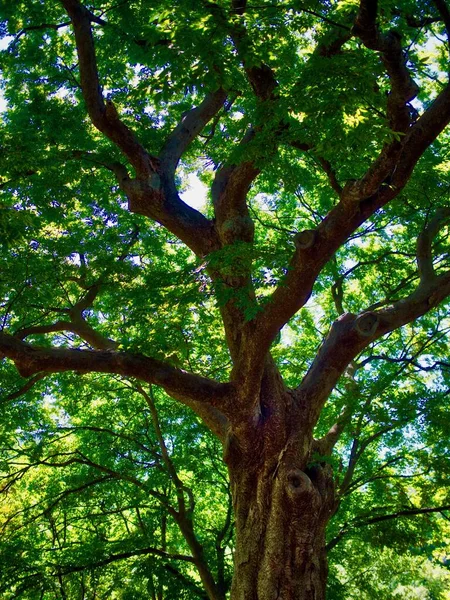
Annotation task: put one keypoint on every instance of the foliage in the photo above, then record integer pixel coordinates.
(106, 479)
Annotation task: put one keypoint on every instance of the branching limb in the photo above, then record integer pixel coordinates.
(152, 193)
(364, 520)
(103, 115)
(184, 386)
(77, 324)
(358, 202)
(350, 334)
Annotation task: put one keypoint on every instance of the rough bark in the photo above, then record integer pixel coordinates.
(282, 500)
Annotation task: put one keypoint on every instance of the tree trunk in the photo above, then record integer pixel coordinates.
(282, 503)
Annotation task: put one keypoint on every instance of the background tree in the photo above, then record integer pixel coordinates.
(301, 315)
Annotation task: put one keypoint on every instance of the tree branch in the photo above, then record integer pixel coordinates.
(359, 201)
(103, 115)
(444, 12)
(260, 76)
(403, 87)
(185, 387)
(184, 515)
(324, 163)
(350, 334)
(66, 569)
(424, 244)
(346, 529)
(188, 129)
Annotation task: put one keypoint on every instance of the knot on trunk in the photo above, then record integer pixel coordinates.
(298, 484)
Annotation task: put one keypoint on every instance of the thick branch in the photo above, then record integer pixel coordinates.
(366, 196)
(260, 76)
(403, 87)
(188, 129)
(185, 387)
(424, 244)
(234, 227)
(103, 116)
(163, 204)
(159, 200)
(350, 334)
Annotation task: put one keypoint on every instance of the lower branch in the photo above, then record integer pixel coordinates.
(65, 570)
(411, 512)
(183, 386)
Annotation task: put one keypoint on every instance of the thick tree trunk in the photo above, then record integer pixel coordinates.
(283, 500)
(280, 536)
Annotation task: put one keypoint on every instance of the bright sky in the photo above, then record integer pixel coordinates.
(195, 194)
(3, 44)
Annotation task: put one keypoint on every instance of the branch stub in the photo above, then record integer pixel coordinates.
(367, 323)
(304, 239)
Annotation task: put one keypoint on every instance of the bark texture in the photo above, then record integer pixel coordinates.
(282, 485)
(282, 501)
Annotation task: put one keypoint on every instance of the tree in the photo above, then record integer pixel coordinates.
(301, 316)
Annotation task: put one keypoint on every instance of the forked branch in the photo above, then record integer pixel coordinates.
(350, 334)
(358, 202)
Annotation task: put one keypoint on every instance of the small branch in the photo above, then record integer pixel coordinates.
(324, 163)
(78, 326)
(42, 26)
(347, 528)
(179, 486)
(25, 388)
(444, 12)
(325, 444)
(65, 570)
